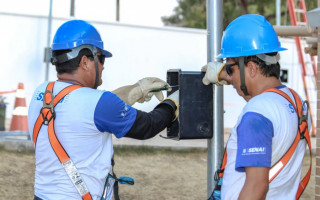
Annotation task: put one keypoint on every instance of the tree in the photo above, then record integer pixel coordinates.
(192, 13)
(188, 13)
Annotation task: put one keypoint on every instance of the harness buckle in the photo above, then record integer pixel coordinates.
(44, 116)
(217, 173)
(303, 119)
(48, 100)
(47, 105)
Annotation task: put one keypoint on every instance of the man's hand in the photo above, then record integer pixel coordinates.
(173, 101)
(148, 84)
(175, 97)
(213, 70)
(141, 91)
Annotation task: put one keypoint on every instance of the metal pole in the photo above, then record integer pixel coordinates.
(118, 11)
(48, 40)
(215, 145)
(72, 8)
(278, 12)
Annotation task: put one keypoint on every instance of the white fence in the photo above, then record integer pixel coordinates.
(138, 52)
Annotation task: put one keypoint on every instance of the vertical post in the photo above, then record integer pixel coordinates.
(317, 174)
(278, 12)
(215, 145)
(72, 8)
(48, 41)
(118, 11)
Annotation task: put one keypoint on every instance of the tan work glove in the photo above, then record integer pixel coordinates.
(213, 70)
(173, 101)
(175, 97)
(141, 91)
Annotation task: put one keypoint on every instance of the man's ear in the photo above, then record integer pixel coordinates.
(252, 68)
(84, 63)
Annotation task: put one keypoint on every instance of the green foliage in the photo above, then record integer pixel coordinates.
(188, 13)
(192, 13)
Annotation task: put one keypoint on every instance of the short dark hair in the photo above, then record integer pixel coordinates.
(267, 70)
(73, 64)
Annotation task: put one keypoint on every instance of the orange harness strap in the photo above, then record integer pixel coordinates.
(223, 165)
(46, 117)
(302, 133)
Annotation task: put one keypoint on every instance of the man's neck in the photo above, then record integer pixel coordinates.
(265, 83)
(70, 78)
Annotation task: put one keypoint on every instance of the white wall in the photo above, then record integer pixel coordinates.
(138, 52)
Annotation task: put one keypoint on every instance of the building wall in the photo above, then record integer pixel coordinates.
(138, 51)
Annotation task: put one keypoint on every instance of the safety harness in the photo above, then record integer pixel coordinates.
(46, 117)
(302, 133)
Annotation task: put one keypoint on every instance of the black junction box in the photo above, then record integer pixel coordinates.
(195, 106)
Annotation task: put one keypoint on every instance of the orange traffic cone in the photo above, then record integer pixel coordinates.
(19, 121)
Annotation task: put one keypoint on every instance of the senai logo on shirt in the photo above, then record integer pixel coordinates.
(124, 112)
(291, 108)
(39, 97)
(254, 150)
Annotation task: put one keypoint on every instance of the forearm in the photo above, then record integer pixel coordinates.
(256, 185)
(147, 125)
(254, 192)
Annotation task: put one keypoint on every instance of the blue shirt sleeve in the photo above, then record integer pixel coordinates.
(113, 115)
(254, 135)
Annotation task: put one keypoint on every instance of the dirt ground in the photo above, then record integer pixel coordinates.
(158, 173)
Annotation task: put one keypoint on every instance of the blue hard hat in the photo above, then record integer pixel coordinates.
(75, 33)
(247, 35)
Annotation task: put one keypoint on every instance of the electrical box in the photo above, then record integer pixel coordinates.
(195, 119)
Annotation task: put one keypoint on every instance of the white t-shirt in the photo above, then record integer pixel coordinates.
(85, 119)
(266, 128)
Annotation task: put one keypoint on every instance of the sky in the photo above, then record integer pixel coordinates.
(138, 12)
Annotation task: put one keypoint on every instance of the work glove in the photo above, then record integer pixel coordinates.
(213, 70)
(173, 101)
(141, 91)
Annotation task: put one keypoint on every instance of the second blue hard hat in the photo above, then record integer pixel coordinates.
(75, 33)
(247, 35)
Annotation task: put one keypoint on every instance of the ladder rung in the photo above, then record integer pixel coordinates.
(299, 10)
(301, 23)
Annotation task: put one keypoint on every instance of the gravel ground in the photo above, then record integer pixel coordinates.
(159, 173)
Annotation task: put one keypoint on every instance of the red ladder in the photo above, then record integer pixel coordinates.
(302, 21)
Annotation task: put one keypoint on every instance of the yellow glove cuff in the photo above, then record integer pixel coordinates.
(177, 108)
(221, 82)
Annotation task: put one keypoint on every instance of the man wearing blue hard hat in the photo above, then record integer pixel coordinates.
(72, 122)
(264, 153)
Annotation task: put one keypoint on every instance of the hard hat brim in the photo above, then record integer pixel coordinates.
(107, 54)
(250, 53)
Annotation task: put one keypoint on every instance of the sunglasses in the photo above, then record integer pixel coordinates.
(101, 58)
(229, 69)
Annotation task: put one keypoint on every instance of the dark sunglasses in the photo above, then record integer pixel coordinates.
(229, 69)
(101, 58)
